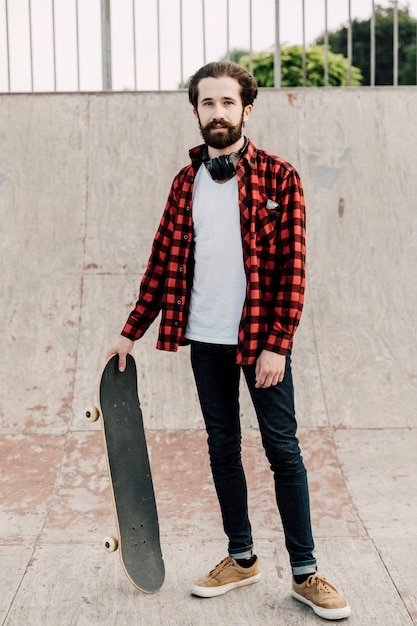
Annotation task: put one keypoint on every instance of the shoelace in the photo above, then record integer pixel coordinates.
(227, 562)
(322, 586)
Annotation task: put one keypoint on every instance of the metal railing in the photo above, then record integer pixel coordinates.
(69, 45)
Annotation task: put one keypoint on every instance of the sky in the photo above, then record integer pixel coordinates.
(141, 16)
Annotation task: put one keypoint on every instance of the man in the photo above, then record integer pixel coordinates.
(227, 270)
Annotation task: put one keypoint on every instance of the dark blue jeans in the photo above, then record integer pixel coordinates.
(217, 379)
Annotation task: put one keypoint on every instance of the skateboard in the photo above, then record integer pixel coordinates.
(130, 476)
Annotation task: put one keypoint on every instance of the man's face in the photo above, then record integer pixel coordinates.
(220, 111)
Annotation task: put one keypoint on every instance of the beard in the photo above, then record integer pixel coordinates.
(221, 140)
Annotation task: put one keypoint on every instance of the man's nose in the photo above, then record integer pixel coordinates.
(218, 112)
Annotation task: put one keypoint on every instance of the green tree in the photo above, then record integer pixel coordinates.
(384, 39)
(292, 68)
(235, 55)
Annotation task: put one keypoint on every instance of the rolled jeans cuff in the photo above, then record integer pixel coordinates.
(300, 570)
(242, 555)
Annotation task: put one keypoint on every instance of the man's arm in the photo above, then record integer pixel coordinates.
(270, 365)
(150, 292)
(290, 268)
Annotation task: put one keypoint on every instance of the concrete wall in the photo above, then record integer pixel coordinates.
(83, 181)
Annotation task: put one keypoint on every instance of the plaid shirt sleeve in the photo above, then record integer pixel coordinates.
(273, 233)
(291, 250)
(166, 282)
(149, 301)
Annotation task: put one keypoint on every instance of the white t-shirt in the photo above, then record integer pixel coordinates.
(219, 285)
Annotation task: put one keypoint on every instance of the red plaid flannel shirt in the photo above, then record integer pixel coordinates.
(272, 209)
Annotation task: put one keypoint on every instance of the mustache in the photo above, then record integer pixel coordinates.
(217, 124)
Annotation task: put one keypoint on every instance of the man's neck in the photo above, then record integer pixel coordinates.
(216, 152)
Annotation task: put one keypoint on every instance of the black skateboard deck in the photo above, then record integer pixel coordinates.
(130, 477)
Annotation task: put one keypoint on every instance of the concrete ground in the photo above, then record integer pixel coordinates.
(73, 246)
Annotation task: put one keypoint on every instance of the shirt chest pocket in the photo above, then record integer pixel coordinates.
(267, 224)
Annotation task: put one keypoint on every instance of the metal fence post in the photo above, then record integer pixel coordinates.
(106, 45)
(31, 45)
(6, 8)
(395, 45)
(373, 45)
(326, 46)
(350, 46)
(304, 57)
(277, 54)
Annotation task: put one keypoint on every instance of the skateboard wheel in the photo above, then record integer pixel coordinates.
(92, 413)
(110, 544)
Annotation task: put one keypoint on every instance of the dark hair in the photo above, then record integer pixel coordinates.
(248, 86)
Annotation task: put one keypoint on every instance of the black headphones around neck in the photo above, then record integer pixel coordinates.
(222, 167)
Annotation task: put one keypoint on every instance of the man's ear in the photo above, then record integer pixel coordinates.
(247, 112)
(195, 113)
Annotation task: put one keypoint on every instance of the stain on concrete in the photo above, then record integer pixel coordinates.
(327, 175)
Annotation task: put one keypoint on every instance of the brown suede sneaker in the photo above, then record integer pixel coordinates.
(225, 576)
(322, 597)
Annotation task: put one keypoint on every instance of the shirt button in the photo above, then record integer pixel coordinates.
(181, 269)
(187, 208)
(178, 302)
(176, 323)
(185, 237)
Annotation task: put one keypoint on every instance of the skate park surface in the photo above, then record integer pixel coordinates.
(83, 182)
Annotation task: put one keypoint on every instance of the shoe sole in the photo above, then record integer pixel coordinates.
(212, 592)
(321, 612)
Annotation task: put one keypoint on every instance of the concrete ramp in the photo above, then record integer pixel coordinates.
(83, 181)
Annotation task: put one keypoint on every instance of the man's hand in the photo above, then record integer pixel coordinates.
(122, 347)
(270, 369)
